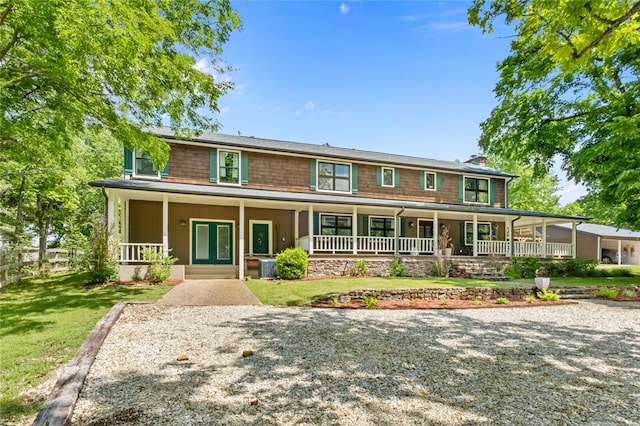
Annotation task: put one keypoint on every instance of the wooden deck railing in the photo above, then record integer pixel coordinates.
(134, 252)
(16, 264)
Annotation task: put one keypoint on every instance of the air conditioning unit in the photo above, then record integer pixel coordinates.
(267, 268)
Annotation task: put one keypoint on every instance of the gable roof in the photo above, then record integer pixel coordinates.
(604, 230)
(330, 152)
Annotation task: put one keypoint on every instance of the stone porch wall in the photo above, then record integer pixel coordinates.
(461, 266)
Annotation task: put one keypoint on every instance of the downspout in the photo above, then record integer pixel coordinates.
(396, 232)
(506, 193)
(106, 204)
(511, 231)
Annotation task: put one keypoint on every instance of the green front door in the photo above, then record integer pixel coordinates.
(211, 243)
(260, 238)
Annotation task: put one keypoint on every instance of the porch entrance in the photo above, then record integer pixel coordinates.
(211, 243)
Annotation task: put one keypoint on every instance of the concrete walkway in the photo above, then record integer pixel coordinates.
(209, 292)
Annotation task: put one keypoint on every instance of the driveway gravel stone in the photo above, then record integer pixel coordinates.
(570, 365)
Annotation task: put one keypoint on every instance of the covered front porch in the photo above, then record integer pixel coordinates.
(220, 226)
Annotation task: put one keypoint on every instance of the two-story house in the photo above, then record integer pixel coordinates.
(228, 200)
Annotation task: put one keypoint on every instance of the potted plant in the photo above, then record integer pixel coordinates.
(444, 240)
(542, 278)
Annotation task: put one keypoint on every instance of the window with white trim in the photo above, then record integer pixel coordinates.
(429, 181)
(388, 176)
(334, 177)
(476, 190)
(335, 225)
(486, 231)
(228, 167)
(143, 166)
(381, 226)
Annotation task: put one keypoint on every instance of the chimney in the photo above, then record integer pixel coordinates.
(477, 159)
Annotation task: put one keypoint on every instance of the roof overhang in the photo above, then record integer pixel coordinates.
(154, 190)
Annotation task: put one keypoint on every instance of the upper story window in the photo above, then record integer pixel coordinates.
(387, 176)
(381, 227)
(429, 181)
(143, 166)
(229, 167)
(476, 190)
(334, 177)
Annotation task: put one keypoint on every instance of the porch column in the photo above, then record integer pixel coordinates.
(574, 239)
(354, 229)
(311, 229)
(619, 252)
(296, 227)
(122, 220)
(599, 249)
(125, 215)
(475, 235)
(165, 225)
(241, 242)
(544, 237)
(436, 232)
(508, 237)
(111, 216)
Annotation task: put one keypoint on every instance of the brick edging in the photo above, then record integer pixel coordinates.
(58, 407)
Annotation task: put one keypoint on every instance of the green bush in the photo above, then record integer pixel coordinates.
(292, 263)
(548, 295)
(370, 302)
(620, 272)
(523, 267)
(573, 268)
(397, 269)
(159, 267)
(607, 293)
(440, 267)
(360, 268)
(101, 255)
(502, 300)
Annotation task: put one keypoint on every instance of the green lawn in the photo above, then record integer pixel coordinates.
(43, 322)
(602, 281)
(292, 293)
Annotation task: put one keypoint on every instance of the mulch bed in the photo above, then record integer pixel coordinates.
(440, 304)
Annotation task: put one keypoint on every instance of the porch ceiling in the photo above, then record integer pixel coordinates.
(234, 195)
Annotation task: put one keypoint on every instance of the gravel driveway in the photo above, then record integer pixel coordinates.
(572, 364)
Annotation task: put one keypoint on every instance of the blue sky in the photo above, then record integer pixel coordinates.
(402, 77)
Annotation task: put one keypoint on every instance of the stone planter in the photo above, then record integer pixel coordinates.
(542, 282)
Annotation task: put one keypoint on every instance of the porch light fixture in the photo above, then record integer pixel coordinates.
(183, 222)
(411, 224)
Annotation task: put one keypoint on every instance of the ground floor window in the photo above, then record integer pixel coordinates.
(335, 225)
(486, 231)
(381, 227)
(425, 229)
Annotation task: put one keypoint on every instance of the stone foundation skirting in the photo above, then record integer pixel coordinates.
(414, 266)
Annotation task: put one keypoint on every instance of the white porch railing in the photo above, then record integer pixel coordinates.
(367, 244)
(134, 252)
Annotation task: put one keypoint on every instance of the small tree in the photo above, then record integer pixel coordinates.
(159, 267)
(292, 264)
(101, 254)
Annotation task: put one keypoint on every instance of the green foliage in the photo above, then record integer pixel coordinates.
(397, 268)
(292, 264)
(530, 299)
(629, 293)
(444, 301)
(478, 302)
(523, 267)
(159, 267)
(335, 302)
(360, 268)
(101, 255)
(607, 293)
(370, 302)
(440, 267)
(548, 295)
(44, 323)
(502, 300)
(569, 89)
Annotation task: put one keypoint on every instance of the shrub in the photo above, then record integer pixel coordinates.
(444, 301)
(523, 267)
(620, 272)
(159, 267)
(530, 299)
(629, 293)
(360, 268)
(101, 258)
(397, 268)
(548, 295)
(502, 300)
(292, 264)
(440, 267)
(478, 301)
(370, 302)
(607, 293)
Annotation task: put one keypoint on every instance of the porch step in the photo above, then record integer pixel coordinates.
(210, 272)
